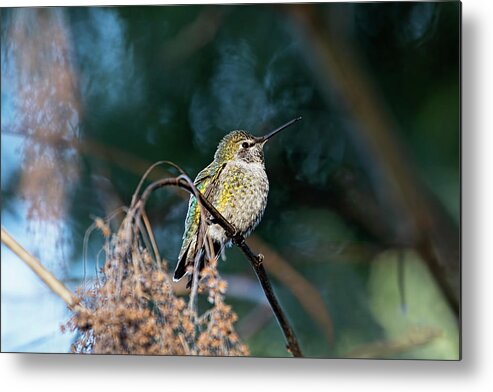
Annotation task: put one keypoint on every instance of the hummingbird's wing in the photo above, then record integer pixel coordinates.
(205, 183)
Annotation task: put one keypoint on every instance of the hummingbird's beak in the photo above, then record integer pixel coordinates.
(263, 139)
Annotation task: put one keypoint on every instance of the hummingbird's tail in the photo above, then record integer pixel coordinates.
(188, 259)
(181, 267)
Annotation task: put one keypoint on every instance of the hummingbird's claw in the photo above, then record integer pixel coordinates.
(211, 221)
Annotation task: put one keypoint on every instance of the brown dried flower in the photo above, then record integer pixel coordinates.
(133, 309)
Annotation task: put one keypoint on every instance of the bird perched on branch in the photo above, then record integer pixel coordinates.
(237, 186)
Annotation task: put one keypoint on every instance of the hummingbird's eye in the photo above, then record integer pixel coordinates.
(245, 145)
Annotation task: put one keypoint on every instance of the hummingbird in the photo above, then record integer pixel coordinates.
(236, 184)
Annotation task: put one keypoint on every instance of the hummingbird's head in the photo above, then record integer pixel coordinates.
(240, 145)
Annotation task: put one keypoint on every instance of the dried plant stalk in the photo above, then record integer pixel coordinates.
(133, 309)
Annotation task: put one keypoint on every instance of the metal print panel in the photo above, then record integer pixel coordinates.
(232, 180)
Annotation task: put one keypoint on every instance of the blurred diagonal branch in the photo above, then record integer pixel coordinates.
(192, 37)
(46, 276)
(422, 221)
(125, 160)
(254, 321)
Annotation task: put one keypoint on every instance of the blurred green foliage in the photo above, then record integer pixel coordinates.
(424, 306)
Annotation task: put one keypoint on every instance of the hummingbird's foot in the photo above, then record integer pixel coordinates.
(259, 259)
(211, 221)
(238, 238)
